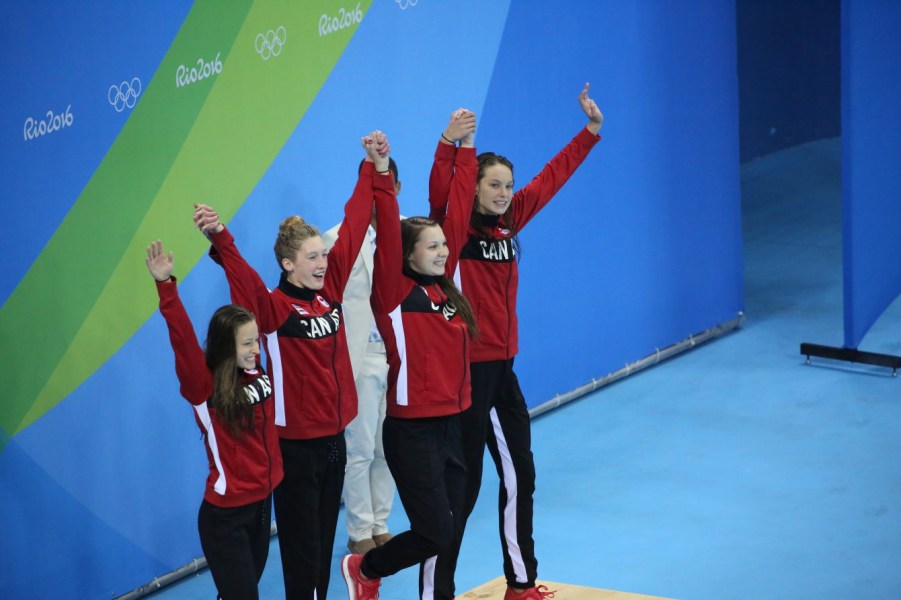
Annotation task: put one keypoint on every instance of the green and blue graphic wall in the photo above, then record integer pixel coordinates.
(117, 117)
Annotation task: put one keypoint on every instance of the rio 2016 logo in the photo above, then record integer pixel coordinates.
(125, 95)
(344, 19)
(51, 122)
(405, 4)
(270, 44)
(204, 70)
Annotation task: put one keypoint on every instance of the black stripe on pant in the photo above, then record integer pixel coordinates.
(306, 511)
(426, 460)
(500, 419)
(235, 543)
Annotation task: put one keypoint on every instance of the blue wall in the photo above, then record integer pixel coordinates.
(871, 146)
(620, 262)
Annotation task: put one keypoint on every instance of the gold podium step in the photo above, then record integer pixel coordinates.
(495, 589)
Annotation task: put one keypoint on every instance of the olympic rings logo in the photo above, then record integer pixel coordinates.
(405, 4)
(125, 95)
(270, 44)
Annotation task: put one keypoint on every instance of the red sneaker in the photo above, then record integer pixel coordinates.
(532, 593)
(358, 586)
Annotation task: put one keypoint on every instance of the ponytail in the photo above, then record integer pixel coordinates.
(292, 233)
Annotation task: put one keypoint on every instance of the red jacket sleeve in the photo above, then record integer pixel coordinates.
(247, 288)
(440, 180)
(387, 270)
(351, 233)
(459, 208)
(538, 192)
(190, 363)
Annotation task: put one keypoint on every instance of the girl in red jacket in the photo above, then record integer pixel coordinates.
(313, 385)
(489, 274)
(231, 395)
(427, 327)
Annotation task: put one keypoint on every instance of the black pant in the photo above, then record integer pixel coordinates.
(235, 542)
(306, 510)
(499, 418)
(426, 460)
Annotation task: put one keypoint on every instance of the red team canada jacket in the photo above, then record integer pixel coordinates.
(305, 342)
(426, 341)
(244, 468)
(488, 268)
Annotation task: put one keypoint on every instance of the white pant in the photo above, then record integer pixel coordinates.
(368, 486)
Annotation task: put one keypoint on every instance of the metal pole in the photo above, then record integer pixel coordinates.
(652, 359)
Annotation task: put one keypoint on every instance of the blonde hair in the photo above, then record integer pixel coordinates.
(292, 233)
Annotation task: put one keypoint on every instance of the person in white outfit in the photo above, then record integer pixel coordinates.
(368, 485)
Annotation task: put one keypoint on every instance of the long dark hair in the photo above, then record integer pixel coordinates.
(228, 398)
(410, 230)
(490, 159)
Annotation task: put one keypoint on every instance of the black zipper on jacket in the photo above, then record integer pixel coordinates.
(465, 333)
(265, 444)
(509, 312)
(335, 373)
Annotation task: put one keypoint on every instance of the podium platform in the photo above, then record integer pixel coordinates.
(494, 590)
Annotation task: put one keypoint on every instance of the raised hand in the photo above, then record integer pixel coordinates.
(462, 123)
(159, 263)
(468, 122)
(377, 149)
(591, 110)
(206, 219)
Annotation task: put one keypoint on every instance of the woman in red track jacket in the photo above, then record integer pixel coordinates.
(489, 275)
(231, 395)
(315, 396)
(427, 326)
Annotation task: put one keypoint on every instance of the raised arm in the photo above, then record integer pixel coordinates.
(462, 123)
(357, 214)
(190, 363)
(462, 192)
(591, 110)
(387, 275)
(245, 284)
(539, 191)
